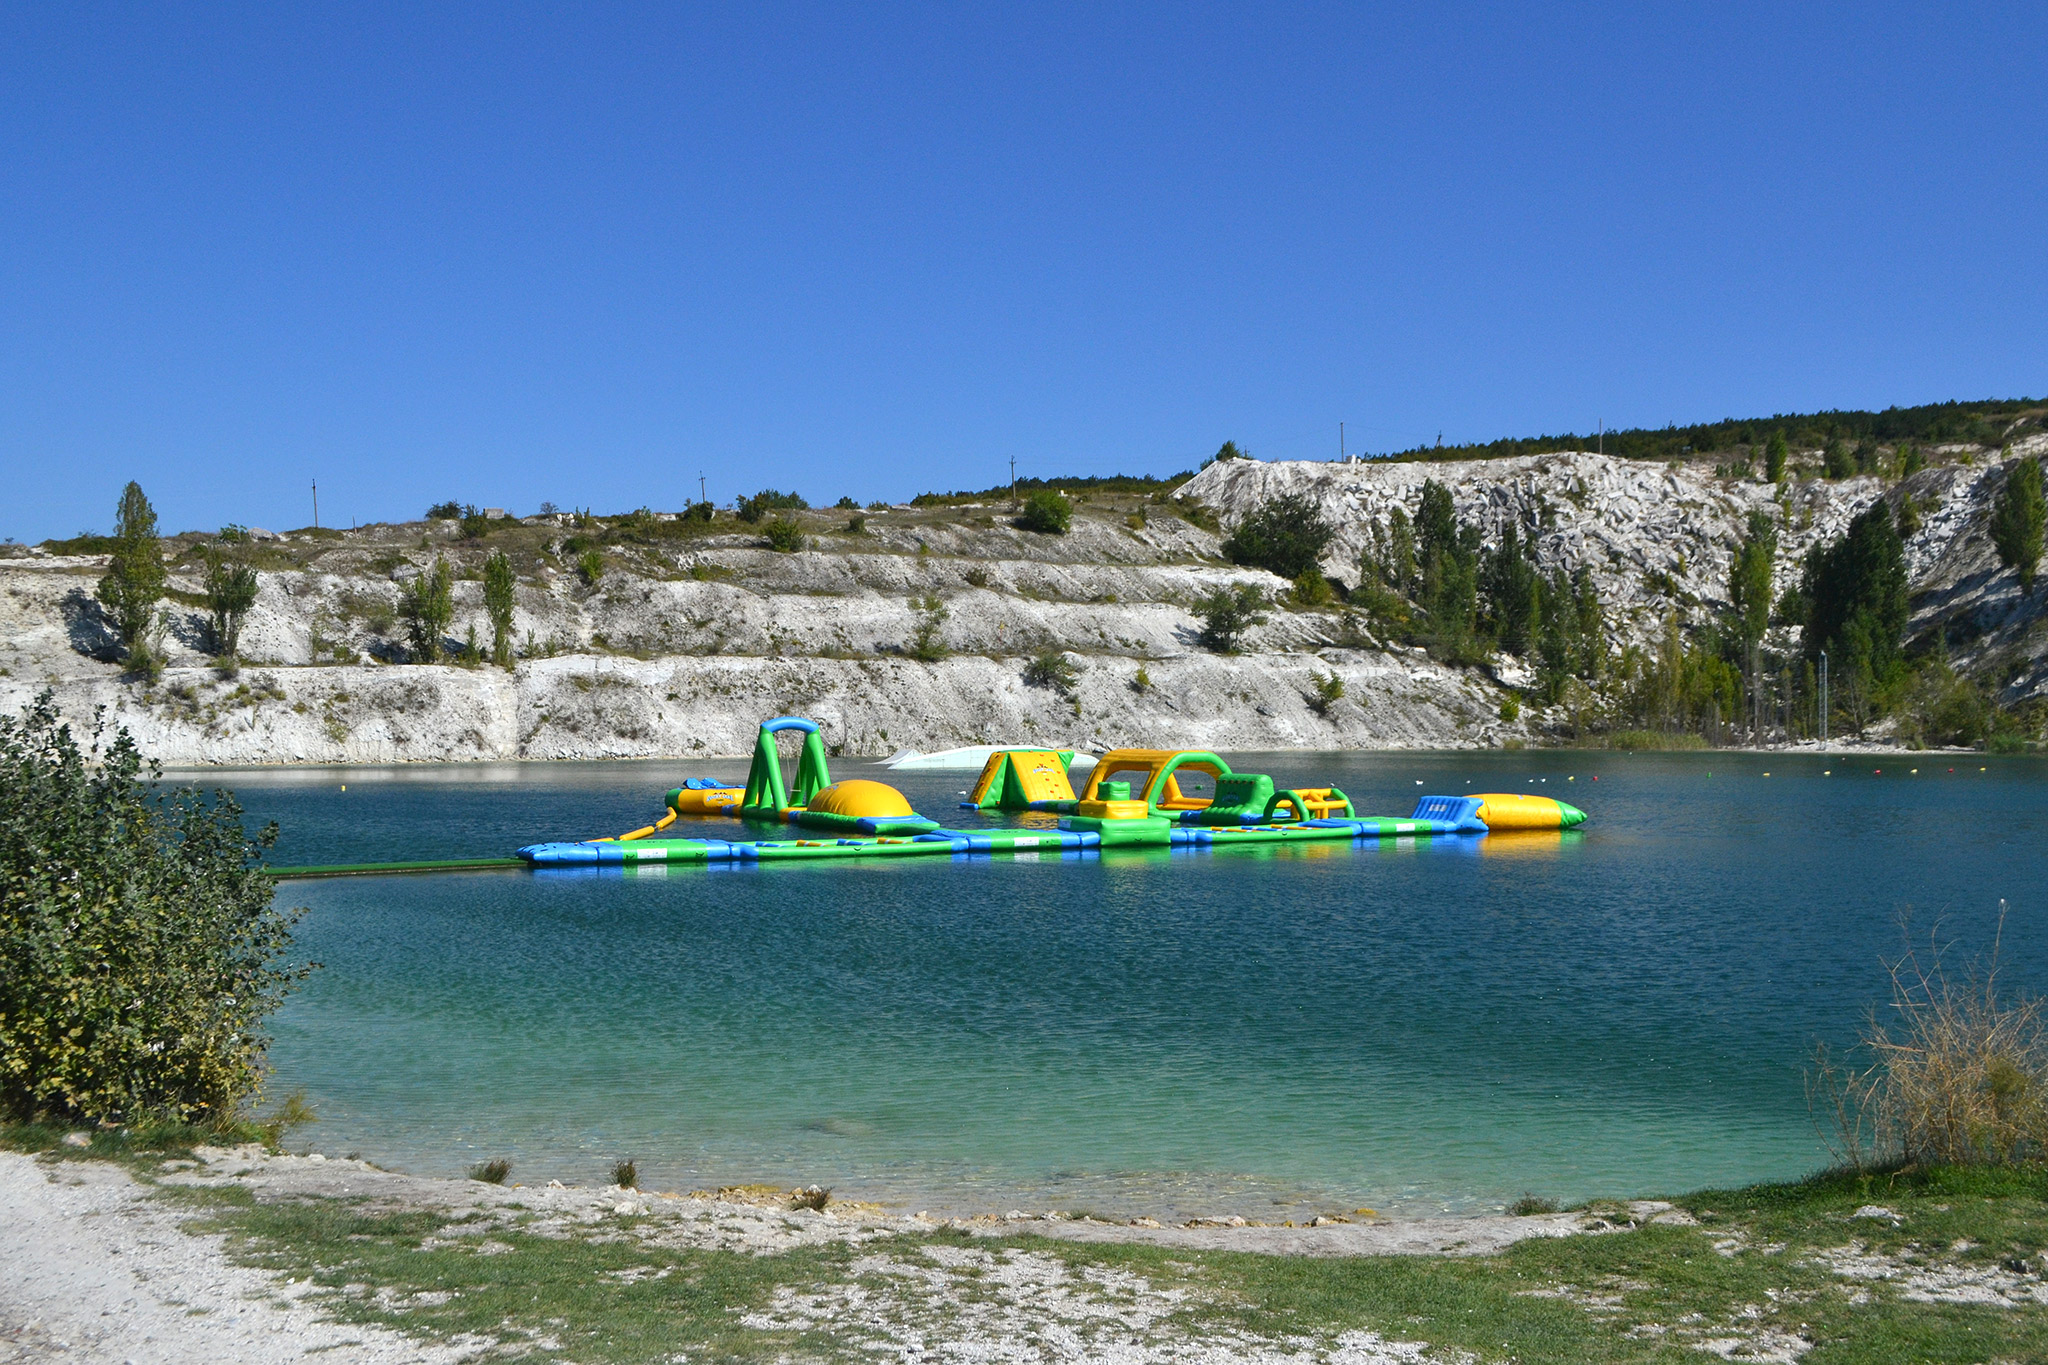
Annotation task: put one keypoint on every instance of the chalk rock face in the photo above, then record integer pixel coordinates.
(1661, 538)
(687, 641)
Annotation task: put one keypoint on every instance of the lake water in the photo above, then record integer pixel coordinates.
(1409, 1026)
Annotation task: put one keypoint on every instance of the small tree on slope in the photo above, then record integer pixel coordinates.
(230, 593)
(134, 583)
(500, 596)
(2017, 515)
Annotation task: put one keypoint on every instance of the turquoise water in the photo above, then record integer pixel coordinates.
(1412, 1027)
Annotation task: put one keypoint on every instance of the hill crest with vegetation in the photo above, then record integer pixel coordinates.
(1563, 596)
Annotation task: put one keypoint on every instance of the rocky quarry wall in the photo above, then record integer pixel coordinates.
(685, 644)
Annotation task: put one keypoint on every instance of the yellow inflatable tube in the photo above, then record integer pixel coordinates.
(1507, 812)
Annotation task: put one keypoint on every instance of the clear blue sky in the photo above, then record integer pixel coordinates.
(581, 253)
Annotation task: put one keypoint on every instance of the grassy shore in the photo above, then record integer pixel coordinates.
(1939, 1265)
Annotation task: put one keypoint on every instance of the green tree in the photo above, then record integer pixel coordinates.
(140, 952)
(427, 605)
(1448, 586)
(1508, 585)
(768, 500)
(1285, 535)
(1589, 659)
(135, 577)
(1227, 613)
(1856, 607)
(501, 595)
(1749, 580)
(1838, 461)
(1227, 451)
(230, 593)
(1400, 562)
(1046, 512)
(927, 637)
(2017, 515)
(1775, 453)
(1436, 523)
(1557, 624)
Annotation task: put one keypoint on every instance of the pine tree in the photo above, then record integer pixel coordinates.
(1749, 580)
(2017, 515)
(1775, 454)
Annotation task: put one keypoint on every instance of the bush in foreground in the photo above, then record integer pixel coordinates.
(139, 950)
(1957, 1071)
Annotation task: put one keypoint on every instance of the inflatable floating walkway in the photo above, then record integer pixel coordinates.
(1133, 798)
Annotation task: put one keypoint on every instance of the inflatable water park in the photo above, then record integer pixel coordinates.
(1131, 798)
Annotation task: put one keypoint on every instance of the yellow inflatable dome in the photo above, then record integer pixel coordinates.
(861, 799)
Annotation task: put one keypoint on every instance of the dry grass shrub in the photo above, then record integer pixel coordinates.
(1954, 1072)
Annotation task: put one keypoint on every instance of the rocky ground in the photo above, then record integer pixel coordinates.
(94, 1268)
(241, 1255)
(692, 634)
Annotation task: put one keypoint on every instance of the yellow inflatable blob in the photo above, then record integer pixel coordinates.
(861, 799)
(1505, 812)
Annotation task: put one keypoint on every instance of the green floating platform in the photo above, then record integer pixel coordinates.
(294, 874)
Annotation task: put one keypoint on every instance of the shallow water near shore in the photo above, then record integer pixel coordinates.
(1413, 1026)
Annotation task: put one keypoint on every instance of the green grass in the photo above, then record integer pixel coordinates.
(1654, 740)
(138, 1146)
(1752, 1268)
(1646, 1295)
(601, 1301)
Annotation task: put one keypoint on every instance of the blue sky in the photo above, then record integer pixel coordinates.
(507, 255)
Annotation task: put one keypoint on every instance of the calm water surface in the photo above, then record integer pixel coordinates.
(1414, 1026)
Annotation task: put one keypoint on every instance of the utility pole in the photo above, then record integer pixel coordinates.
(1340, 443)
(1013, 481)
(703, 494)
(1603, 435)
(316, 504)
(1823, 699)
(1756, 692)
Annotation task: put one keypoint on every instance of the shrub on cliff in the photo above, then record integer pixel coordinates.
(1227, 614)
(1051, 668)
(1047, 513)
(927, 638)
(1285, 535)
(139, 950)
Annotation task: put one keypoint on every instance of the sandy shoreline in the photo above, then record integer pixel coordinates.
(95, 1267)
